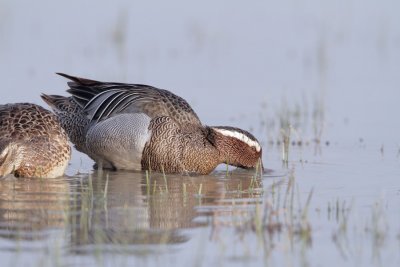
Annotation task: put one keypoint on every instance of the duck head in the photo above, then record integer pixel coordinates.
(237, 147)
(11, 155)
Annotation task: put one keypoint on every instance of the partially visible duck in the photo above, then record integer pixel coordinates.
(32, 142)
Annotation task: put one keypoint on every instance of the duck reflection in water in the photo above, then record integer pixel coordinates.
(122, 207)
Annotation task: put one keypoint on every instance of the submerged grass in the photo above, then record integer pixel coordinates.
(294, 124)
(278, 219)
(283, 220)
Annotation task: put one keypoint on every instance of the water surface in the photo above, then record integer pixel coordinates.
(324, 74)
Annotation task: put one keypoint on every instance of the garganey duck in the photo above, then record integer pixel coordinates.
(32, 142)
(140, 127)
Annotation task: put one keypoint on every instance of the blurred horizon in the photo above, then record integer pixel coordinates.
(321, 75)
(228, 59)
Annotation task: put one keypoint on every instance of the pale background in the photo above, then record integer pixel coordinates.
(226, 58)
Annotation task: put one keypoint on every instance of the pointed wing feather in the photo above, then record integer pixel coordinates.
(98, 104)
(102, 100)
(124, 101)
(110, 106)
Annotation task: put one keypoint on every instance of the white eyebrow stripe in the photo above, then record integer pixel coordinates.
(241, 137)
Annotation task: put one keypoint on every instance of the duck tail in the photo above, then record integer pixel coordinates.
(56, 102)
(78, 80)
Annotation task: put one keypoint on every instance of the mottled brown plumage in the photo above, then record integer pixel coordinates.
(32, 142)
(134, 126)
(175, 149)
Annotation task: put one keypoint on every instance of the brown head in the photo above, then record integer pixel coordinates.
(11, 155)
(237, 147)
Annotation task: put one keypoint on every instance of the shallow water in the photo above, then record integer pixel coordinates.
(230, 217)
(330, 70)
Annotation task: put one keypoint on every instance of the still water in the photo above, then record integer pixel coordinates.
(320, 210)
(323, 75)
